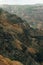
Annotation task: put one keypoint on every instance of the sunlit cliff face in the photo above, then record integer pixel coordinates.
(6, 61)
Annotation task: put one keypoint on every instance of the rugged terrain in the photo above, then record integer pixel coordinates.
(33, 14)
(18, 41)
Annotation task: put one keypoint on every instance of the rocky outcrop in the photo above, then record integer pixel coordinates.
(6, 61)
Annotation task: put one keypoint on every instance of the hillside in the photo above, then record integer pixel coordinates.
(18, 41)
(33, 14)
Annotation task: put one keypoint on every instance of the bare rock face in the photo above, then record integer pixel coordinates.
(16, 63)
(6, 61)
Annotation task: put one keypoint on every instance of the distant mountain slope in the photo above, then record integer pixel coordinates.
(33, 14)
(18, 41)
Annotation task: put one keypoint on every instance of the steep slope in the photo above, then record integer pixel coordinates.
(33, 14)
(18, 41)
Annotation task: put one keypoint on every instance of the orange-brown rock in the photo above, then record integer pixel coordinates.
(6, 61)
